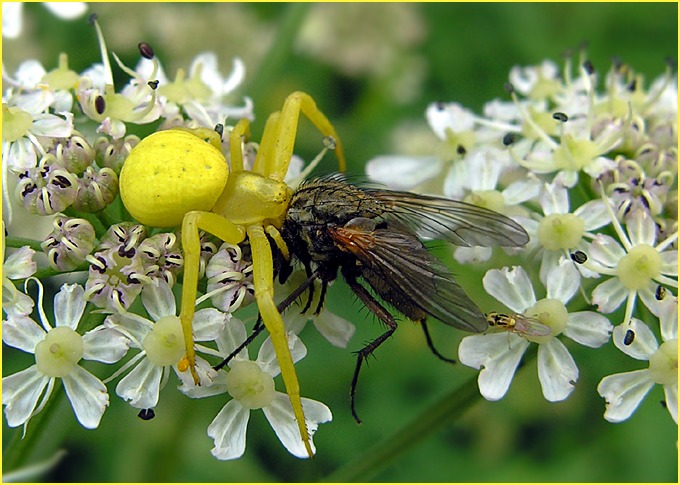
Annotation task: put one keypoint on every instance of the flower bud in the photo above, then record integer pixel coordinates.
(96, 189)
(47, 188)
(69, 243)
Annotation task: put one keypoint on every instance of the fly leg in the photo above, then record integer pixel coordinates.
(385, 316)
(259, 325)
(430, 343)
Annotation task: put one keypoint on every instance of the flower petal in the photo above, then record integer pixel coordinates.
(510, 287)
(69, 306)
(623, 393)
(641, 228)
(669, 262)
(209, 323)
(158, 299)
(20, 264)
(22, 333)
(498, 356)
(88, 396)
(644, 342)
(588, 328)
(12, 19)
(554, 200)
(594, 214)
(266, 357)
(228, 430)
(142, 385)
(20, 394)
(557, 370)
(280, 415)
(609, 295)
(668, 318)
(130, 325)
(402, 172)
(563, 281)
(234, 335)
(671, 393)
(335, 329)
(606, 251)
(67, 10)
(104, 345)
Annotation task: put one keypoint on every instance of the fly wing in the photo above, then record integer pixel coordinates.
(399, 264)
(451, 220)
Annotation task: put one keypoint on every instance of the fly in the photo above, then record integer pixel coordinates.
(373, 238)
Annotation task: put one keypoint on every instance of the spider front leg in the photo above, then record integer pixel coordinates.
(263, 281)
(227, 232)
(278, 139)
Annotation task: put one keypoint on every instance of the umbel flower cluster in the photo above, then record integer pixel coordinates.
(590, 173)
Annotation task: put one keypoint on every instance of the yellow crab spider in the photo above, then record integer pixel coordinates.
(180, 176)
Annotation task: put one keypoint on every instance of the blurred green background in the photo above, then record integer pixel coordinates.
(372, 68)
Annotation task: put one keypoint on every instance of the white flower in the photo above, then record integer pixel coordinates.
(162, 343)
(498, 354)
(623, 392)
(24, 119)
(135, 103)
(200, 95)
(57, 352)
(562, 231)
(637, 265)
(12, 15)
(251, 385)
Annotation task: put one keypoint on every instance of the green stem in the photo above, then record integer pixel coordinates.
(279, 51)
(370, 463)
(20, 242)
(19, 449)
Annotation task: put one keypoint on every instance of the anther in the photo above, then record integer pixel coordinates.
(588, 66)
(628, 338)
(145, 50)
(660, 293)
(329, 142)
(153, 84)
(219, 129)
(508, 87)
(92, 19)
(460, 150)
(146, 414)
(509, 139)
(559, 116)
(100, 104)
(579, 257)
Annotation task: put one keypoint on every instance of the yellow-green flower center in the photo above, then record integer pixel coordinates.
(164, 345)
(550, 312)
(560, 231)
(639, 266)
(489, 199)
(15, 123)
(663, 364)
(250, 385)
(59, 352)
(61, 77)
(573, 154)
